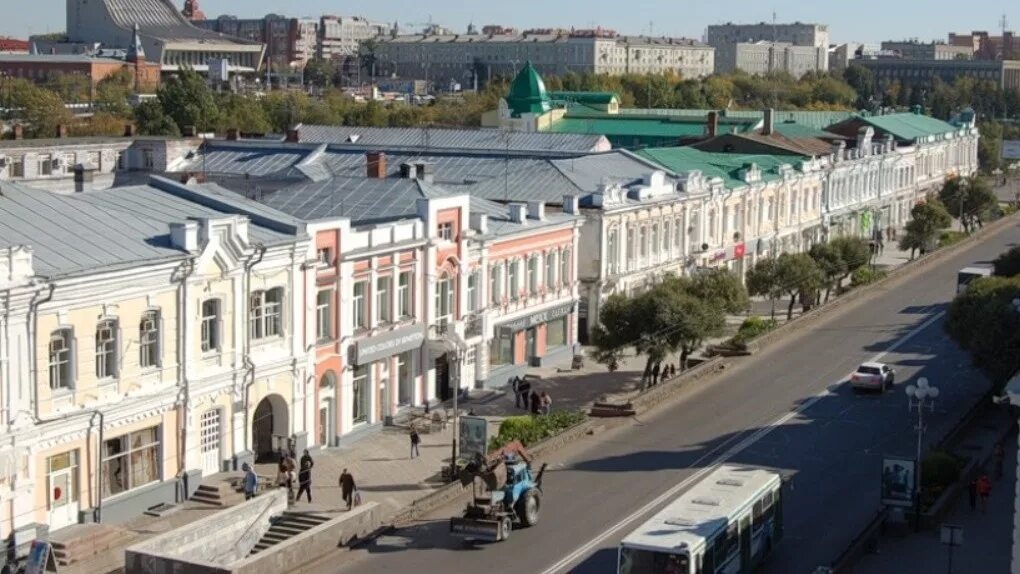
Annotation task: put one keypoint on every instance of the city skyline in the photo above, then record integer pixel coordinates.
(866, 21)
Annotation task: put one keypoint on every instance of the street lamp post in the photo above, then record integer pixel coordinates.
(920, 396)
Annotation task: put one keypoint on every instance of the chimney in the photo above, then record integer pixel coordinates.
(713, 123)
(518, 213)
(536, 210)
(838, 147)
(19, 131)
(408, 171)
(770, 123)
(184, 235)
(61, 131)
(480, 223)
(129, 130)
(375, 162)
(571, 205)
(233, 134)
(293, 135)
(425, 171)
(82, 179)
(189, 131)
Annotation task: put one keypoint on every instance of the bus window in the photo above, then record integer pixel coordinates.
(726, 545)
(634, 561)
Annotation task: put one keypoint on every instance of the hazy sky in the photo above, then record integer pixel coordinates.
(849, 20)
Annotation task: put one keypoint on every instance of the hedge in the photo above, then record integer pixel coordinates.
(530, 429)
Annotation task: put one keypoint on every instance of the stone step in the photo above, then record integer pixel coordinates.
(81, 541)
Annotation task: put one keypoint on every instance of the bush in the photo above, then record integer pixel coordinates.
(751, 328)
(1008, 209)
(939, 471)
(865, 276)
(530, 429)
(950, 237)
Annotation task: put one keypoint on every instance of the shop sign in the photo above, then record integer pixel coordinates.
(389, 344)
(536, 319)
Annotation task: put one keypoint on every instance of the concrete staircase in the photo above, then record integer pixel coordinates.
(287, 526)
(82, 541)
(224, 489)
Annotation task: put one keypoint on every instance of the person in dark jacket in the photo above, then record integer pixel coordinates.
(515, 384)
(415, 440)
(347, 488)
(307, 458)
(305, 480)
(524, 388)
(536, 402)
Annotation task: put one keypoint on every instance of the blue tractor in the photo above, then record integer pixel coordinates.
(501, 505)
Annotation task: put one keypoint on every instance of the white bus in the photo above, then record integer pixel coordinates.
(726, 524)
(968, 274)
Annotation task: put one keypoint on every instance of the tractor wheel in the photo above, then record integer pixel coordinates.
(507, 527)
(528, 507)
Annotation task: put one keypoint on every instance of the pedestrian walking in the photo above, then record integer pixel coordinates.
(655, 374)
(1000, 459)
(287, 467)
(672, 369)
(972, 494)
(415, 439)
(305, 481)
(251, 481)
(536, 402)
(546, 403)
(524, 386)
(307, 458)
(515, 384)
(347, 488)
(984, 490)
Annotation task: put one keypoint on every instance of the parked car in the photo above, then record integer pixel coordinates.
(873, 377)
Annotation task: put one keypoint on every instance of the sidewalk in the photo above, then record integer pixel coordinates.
(987, 538)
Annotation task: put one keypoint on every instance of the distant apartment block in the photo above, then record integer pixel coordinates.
(762, 48)
(339, 36)
(289, 41)
(1005, 73)
(914, 50)
(988, 47)
(468, 58)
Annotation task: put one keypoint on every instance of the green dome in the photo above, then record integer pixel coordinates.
(527, 93)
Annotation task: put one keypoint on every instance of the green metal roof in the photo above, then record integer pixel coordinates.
(723, 165)
(795, 130)
(909, 126)
(815, 119)
(589, 122)
(602, 98)
(527, 93)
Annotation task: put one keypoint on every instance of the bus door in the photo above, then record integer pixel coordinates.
(745, 544)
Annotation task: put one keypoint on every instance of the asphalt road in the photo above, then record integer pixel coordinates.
(787, 408)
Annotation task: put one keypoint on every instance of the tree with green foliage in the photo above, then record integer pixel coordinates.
(797, 275)
(970, 200)
(1008, 264)
(238, 112)
(321, 72)
(984, 320)
(40, 110)
(718, 286)
(152, 121)
(830, 261)
(927, 220)
(187, 99)
(113, 93)
(763, 281)
(855, 253)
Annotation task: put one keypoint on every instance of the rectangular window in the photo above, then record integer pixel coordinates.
(446, 231)
(550, 269)
(612, 253)
(444, 300)
(514, 279)
(131, 461)
(359, 404)
(358, 315)
(266, 314)
(324, 256)
(148, 340)
(556, 333)
(324, 315)
(404, 293)
(472, 291)
(501, 350)
(566, 264)
(405, 378)
(68, 163)
(18, 167)
(496, 283)
(147, 157)
(382, 299)
(62, 359)
(45, 165)
(533, 275)
(211, 325)
(106, 350)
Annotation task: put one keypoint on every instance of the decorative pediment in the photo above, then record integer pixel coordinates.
(223, 245)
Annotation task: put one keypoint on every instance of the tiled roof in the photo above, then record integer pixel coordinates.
(478, 140)
(726, 166)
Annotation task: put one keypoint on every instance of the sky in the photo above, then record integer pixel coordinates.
(849, 21)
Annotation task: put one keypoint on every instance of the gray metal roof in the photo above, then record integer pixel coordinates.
(56, 59)
(161, 19)
(118, 227)
(425, 139)
(620, 167)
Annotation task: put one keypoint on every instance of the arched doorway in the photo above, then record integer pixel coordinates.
(270, 428)
(327, 412)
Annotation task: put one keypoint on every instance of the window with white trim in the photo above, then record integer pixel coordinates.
(514, 279)
(550, 269)
(472, 291)
(496, 283)
(324, 315)
(445, 293)
(148, 340)
(359, 315)
(211, 325)
(324, 256)
(445, 231)
(566, 264)
(62, 359)
(382, 299)
(405, 303)
(533, 274)
(131, 461)
(265, 316)
(106, 349)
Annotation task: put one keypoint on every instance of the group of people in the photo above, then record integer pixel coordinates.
(662, 372)
(285, 479)
(539, 403)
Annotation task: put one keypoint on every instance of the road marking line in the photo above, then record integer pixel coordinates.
(733, 451)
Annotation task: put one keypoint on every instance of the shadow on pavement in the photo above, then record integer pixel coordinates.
(425, 535)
